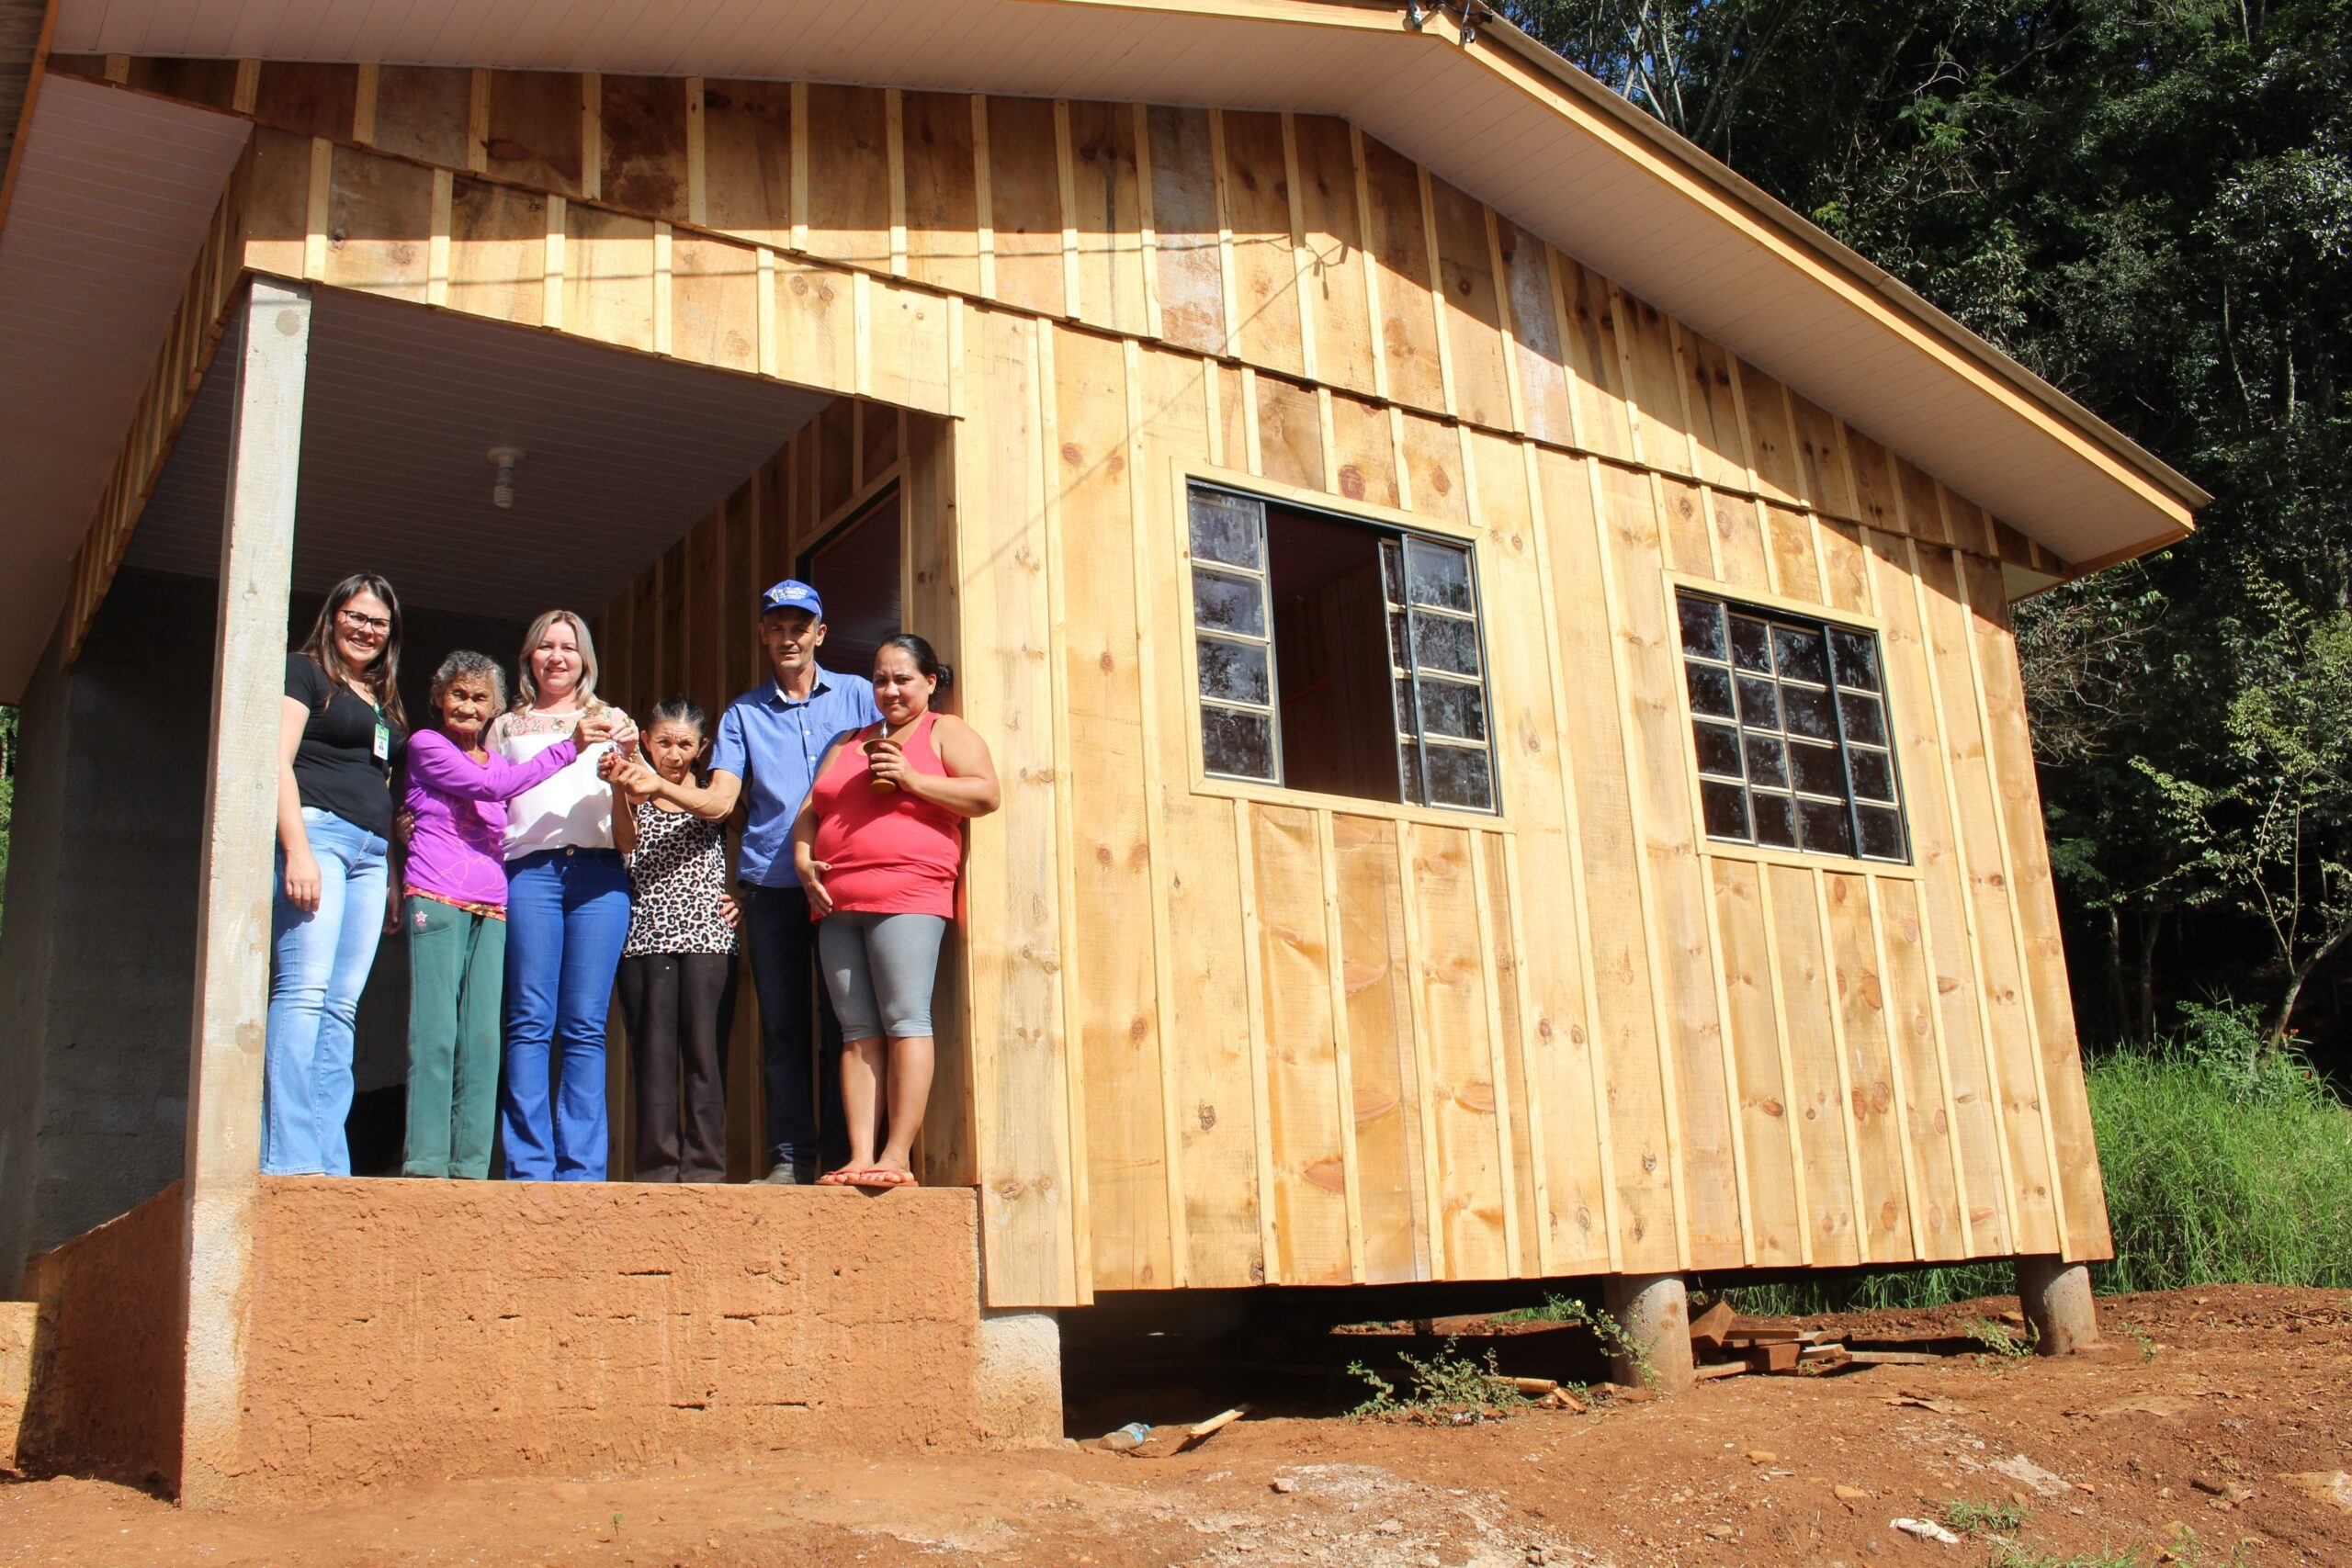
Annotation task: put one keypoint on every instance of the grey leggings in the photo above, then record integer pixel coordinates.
(879, 969)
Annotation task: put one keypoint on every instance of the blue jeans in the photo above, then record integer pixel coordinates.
(320, 962)
(567, 919)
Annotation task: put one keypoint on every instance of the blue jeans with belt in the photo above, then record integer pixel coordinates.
(567, 919)
(320, 963)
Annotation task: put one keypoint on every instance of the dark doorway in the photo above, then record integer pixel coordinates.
(1339, 732)
(855, 569)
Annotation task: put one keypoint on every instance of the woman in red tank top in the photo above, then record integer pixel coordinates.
(878, 845)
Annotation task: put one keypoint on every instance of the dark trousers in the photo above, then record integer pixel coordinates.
(679, 1007)
(781, 942)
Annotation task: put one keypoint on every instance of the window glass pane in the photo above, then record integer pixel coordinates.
(1391, 570)
(1808, 713)
(1408, 760)
(1881, 831)
(1822, 827)
(1718, 749)
(1444, 642)
(1865, 720)
(1767, 766)
(1751, 644)
(1725, 807)
(1229, 528)
(1459, 777)
(1438, 574)
(1873, 774)
(1710, 689)
(1800, 656)
(1776, 820)
(1703, 629)
(1228, 603)
(1239, 745)
(1757, 705)
(1855, 655)
(1815, 770)
(1234, 672)
(1400, 653)
(1452, 707)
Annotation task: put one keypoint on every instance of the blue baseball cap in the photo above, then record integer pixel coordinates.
(792, 594)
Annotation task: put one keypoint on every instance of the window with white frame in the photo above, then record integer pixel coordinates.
(1788, 715)
(1337, 655)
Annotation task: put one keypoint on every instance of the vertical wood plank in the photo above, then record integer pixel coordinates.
(1307, 1202)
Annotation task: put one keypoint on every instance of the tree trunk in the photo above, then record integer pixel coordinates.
(2117, 1019)
(2152, 925)
(2295, 984)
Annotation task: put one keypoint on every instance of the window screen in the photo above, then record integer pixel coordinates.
(1337, 656)
(1788, 717)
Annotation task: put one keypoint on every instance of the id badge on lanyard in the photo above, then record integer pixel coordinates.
(383, 742)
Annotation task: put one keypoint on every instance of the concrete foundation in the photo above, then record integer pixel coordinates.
(405, 1332)
(1655, 1312)
(2055, 1296)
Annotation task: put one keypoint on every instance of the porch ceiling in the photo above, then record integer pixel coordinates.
(622, 454)
(111, 203)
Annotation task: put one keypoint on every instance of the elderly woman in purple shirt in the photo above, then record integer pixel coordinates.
(455, 909)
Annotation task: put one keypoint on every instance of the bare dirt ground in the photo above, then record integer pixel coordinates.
(2208, 1433)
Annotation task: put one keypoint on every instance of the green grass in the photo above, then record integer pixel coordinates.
(1446, 1389)
(2224, 1165)
(1963, 1516)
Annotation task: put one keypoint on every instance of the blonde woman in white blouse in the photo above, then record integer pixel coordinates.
(567, 912)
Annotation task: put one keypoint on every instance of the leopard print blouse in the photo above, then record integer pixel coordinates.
(677, 875)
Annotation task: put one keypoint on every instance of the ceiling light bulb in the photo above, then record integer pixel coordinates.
(502, 490)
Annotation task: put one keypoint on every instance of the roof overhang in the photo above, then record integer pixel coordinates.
(1497, 115)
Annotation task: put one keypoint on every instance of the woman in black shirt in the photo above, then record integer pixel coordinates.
(341, 736)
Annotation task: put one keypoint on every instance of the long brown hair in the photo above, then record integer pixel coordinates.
(382, 675)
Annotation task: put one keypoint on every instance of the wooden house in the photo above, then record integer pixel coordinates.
(1496, 632)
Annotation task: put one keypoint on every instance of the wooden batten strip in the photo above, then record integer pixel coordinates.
(2016, 922)
(1370, 271)
(1218, 457)
(363, 104)
(592, 135)
(959, 402)
(1803, 1196)
(436, 245)
(771, 349)
(551, 312)
(1678, 337)
(1437, 295)
(322, 192)
(1250, 421)
(1327, 431)
(1735, 1114)
(1260, 1070)
(117, 69)
(1065, 184)
(799, 213)
(1224, 237)
(861, 295)
(248, 89)
(1066, 946)
(895, 114)
(1498, 1073)
(1898, 1079)
(698, 154)
(1669, 1092)
(1163, 938)
(1398, 458)
(1148, 233)
(1303, 268)
(1623, 337)
(1845, 1068)
(663, 294)
(1538, 1150)
(1342, 1062)
(983, 195)
(1571, 384)
(1432, 1187)
(1514, 376)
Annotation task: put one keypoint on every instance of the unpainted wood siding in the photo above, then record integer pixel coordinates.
(1224, 1037)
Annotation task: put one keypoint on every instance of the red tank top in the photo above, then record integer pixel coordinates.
(890, 854)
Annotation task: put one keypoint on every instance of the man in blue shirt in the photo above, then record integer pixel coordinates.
(770, 741)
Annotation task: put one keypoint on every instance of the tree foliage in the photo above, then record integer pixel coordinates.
(2149, 203)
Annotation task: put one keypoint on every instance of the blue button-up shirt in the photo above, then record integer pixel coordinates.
(773, 745)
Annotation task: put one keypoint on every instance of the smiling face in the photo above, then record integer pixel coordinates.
(361, 628)
(467, 703)
(556, 665)
(900, 690)
(673, 745)
(791, 639)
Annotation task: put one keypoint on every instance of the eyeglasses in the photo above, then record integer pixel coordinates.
(381, 626)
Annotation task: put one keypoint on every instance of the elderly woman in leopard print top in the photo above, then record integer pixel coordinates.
(677, 976)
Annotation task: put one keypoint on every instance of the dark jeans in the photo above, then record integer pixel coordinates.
(781, 942)
(679, 1007)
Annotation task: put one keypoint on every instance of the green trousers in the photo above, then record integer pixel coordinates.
(456, 989)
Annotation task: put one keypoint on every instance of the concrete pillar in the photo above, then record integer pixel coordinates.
(1655, 1312)
(1020, 1375)
(2056, 1298)
(233, 891)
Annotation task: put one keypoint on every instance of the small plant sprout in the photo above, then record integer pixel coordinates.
(1446, 1390)
(2000, 1341)
(1963, 1516)
(2140, 1338)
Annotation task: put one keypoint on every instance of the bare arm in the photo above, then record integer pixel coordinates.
(301, 869)
(714, 802)
(624, 820)
(970, 788)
